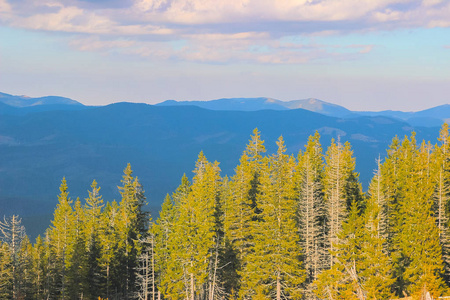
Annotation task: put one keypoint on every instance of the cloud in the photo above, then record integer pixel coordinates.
(96, 44)
(4, 6)
(248, 47)
(169, 17)
(222, 31)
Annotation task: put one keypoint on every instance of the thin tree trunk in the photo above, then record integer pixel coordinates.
(192, 287)
(278, 288)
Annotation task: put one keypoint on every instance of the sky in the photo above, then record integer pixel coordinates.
(362, 54)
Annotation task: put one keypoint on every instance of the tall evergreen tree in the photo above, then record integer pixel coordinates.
(340, 187)
(161, 230)
(92, 212)
(195, 235)
(415, 248)
(12, 232)
(109, 237)
(40, 269)
(132, 226)
(311, 209)
(441, 158)
(60, 239)
(6, 273)
(274, 267)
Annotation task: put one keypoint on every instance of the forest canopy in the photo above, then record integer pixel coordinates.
(281, 227)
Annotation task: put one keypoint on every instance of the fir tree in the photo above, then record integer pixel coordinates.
(274, 266)
(60, 239)
(12, 232)
(6, 275)
(441, 157)
(340, 187)
(194, 235)
(311, 209)
(133, 224)
(39, 269)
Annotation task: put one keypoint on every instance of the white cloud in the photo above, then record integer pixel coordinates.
(67, 19)
(4, 6)
(96, 44)
(223, 30)
(201, 11)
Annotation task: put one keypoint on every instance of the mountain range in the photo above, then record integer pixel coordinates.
(427, 118)
(45, 139)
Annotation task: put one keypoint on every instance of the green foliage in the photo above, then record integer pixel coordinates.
(278, 228)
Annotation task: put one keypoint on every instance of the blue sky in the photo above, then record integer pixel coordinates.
(362, 54)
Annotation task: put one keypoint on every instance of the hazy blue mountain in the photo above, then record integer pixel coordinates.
(238, 104)
(319, 106)
(254, 104)
(24, 101)
(427, 118)
(161, 143)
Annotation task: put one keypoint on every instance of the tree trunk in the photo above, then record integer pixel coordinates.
(192, 287)
(278, 288)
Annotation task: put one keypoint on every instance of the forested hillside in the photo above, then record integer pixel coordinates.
(161, 143)
(281, 227)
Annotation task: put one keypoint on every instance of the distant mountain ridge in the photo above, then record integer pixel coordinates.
(42, 143)
(262, 103)
(24, 101)
(426, 118)
(22, 105)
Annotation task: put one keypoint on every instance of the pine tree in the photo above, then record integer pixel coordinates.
(417, 253)
(24, 270)
(145, 272)
(346, 257)
(340, 187)
(60, 238)
(240, 213)
(274, 266)
(12, 232)
(161, 231)
(39, 269)
(6, 272)
(242, 207)
(362, 269)
(194, 235)
(92, 211)
(441, 157)
(311, 209)
(376, 265)
(109, 243)
(132, 226)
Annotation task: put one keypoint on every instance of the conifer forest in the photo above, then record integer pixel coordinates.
(281, 227)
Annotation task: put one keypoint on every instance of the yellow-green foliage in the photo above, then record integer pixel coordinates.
(280, 227)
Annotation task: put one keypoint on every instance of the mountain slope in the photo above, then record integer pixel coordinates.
(160, 142)
(427, 118)
(24, 101)
(254, 104)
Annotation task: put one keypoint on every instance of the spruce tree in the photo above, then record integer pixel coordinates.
(39, 269)
(441, 157)
(311, 209)
(415, 248)
(274, 266)
(109, 237)
(340, 187)
(6, 274)
(60, 239)
(161, 231)
(92, 244)
(194, 235)
(133, 225)
(12, 232)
